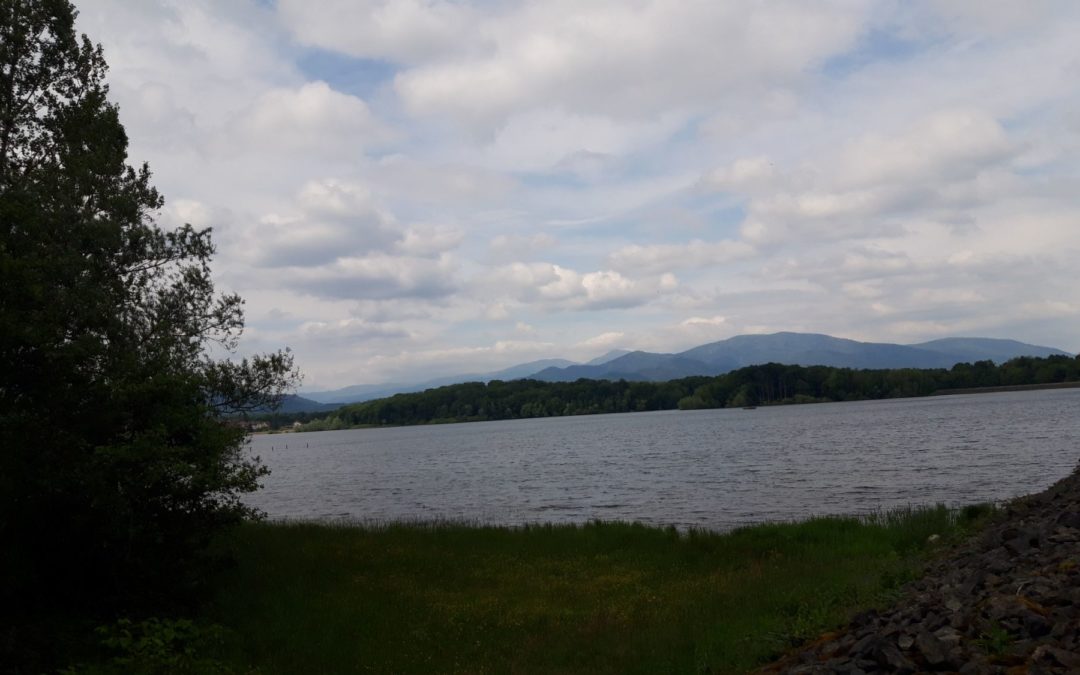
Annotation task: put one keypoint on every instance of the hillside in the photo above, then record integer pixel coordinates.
(716, 358)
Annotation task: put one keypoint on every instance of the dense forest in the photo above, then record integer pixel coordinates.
(768, 384)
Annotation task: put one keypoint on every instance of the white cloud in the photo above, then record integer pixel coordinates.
(947, 146)
(661, 257)
(329, 220)
(429, 240)
(608, 340)
(557, 287)
(549, 138)
(399, 30)
(705, 321)
(940, 166)
(443, 185)
(628, 60)
(377, 276)
(311, 118)
(511, 246)
(349, 329)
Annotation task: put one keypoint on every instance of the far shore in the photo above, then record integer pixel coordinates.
(1005, 388)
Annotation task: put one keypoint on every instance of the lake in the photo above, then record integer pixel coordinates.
(709, 468)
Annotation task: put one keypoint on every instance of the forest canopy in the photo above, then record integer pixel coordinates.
(767, 384)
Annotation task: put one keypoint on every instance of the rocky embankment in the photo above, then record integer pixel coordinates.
(1007, 601)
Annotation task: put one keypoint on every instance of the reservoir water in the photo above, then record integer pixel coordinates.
(709, 468)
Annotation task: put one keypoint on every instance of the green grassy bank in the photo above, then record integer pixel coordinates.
(600, 598)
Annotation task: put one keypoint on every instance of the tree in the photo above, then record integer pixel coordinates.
(116, 463)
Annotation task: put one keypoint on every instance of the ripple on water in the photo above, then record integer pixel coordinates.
(711, 468)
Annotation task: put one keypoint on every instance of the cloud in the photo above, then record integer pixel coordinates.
(608, 340)
(939, 167)
(377, 276)
(329, 220)
(704, 321)
(442, 183)
(398, 30)
(664, 257)
(396, 185)
(311, 118)
(440, 361)
(518, 246)
(947, 146)
(429, 240)
(339, 224)
(550, 138)
(623, 60)
(555, 287)
(350, 330)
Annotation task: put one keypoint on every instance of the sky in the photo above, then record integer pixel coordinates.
(406, 189)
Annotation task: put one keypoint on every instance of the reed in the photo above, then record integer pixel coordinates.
(595, 598)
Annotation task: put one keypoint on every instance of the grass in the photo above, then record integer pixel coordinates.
(598, 598)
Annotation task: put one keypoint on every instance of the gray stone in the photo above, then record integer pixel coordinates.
(1050, 654)
(1036, 625)
(888, 656)
(949, 635)
(933, 650)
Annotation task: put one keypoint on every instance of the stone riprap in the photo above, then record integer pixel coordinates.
(1006, 601)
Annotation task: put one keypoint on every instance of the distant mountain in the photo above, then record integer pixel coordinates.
(803, 349)
(716, 358)
(366, 392)
(979, 349)
(811, 349)
(610, 356)
(632, 366)
(357, 392)
(527, 369)
(292, 403)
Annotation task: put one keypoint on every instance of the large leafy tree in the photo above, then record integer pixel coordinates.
(116, 462)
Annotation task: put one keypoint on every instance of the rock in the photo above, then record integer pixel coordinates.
(1036, 625)
(1007, 601)
(934, 651)
(949, 635)
(890, 658)
(1069, 519)
(865, 646)
(1047, 654)
(975, 668)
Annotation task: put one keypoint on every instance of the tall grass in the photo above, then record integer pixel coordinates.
(597, 598)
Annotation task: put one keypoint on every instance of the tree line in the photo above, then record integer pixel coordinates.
(768, 384)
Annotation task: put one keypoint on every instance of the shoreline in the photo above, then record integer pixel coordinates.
(1006, 601)
(773, 404)
(1006, 388)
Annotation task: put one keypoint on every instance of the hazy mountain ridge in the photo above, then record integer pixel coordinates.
(716, 358)
(366, 392)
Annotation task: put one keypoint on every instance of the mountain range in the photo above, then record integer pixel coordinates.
(716, 358)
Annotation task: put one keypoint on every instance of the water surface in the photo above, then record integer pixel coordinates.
(709, 468)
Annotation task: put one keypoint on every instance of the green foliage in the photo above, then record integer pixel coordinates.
(595, 598)
(158, 647)
(116, 468)
(768, 384)
(995, 641)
